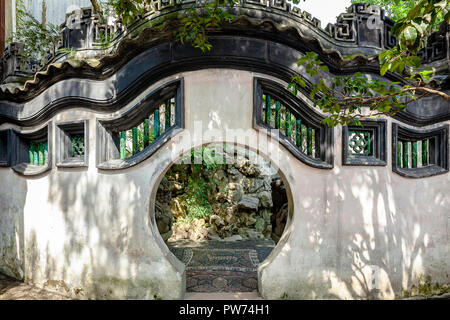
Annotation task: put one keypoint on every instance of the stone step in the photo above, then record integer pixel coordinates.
(223, 296)
(222, 266)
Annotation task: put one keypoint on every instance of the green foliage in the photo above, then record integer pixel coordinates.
(196, 199)
(398, 9)
(38, 39)
(412, 31)
(343, 99)
(194, 25)
(71, 53)
(425, 288)
(77, 145)
(105, 40)
(205, 155)
(199, 21)
(128, 11)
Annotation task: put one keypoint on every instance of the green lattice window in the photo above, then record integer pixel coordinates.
(77, 145)
(419, 153)
(137, 138)
(360, 143)
(72, 144)
(293, 127)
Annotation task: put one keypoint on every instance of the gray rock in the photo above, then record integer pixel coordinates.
(235, 192)
(253, 235)
(249, 202)
(221, 197)
(256, 185)
(266, 199)
(213, 237)
(167, 235)
(216, 220)
(247, 168)
(235, 237)
(220, 175)
(235, 175)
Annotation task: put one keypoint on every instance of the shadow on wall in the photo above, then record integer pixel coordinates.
(360, 240)
(99, 240)
(376, 235)
(12, 202)
(358, 233)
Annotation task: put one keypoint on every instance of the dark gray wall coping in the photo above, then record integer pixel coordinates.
(108, 94)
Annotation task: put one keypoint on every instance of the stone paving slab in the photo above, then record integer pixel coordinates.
(223, 296)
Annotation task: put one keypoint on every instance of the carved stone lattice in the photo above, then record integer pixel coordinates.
(359, 143)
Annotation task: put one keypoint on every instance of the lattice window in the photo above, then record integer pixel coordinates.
(419, 153)
(72, 140)
(365, 144)
(137, 133)
(137, 138)
(301, 130)
(31, 151)
(278, 116)
(360, 142)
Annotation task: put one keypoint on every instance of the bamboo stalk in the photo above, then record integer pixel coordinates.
(399, 154)
(405, 154)
(46, 152)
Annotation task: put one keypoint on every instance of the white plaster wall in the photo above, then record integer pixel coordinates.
(92, 233)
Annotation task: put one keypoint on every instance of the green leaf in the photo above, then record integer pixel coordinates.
(413, 61)
(325, 68)
(301, 82)
(410, 34)
(384, 68)
(414, 12)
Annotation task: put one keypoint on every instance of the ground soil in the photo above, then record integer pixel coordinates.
(12, 289)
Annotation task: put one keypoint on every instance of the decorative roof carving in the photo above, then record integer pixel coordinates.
(362, 30)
